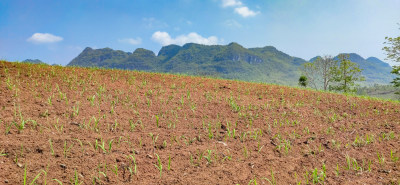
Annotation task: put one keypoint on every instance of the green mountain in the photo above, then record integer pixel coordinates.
(140, 59)
(35, 61)
(374, 70)
(105, 57)
(232, 61)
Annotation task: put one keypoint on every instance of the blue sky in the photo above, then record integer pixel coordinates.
(56, 31)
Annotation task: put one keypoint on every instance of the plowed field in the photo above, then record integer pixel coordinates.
(95, 126)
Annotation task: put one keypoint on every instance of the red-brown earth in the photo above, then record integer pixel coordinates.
(72, 125)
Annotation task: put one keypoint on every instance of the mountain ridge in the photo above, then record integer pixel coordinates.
(33, 61)
(232, 61)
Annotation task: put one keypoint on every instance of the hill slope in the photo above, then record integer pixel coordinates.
(120, 127)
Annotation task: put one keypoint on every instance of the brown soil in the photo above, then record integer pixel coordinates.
(210, 131)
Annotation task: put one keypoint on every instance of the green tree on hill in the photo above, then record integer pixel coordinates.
(345, 74)
(393, 53)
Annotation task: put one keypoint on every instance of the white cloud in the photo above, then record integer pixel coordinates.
(240, 8)
(132, 41)
(44, 38)
(245, 11)
(165, 39)
(226, 3)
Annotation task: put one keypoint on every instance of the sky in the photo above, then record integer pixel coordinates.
(56, 31)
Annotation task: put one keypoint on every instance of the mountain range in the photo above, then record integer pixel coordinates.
(232, 61)
(33, 61)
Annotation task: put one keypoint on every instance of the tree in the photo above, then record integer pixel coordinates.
(303, 81)
(345, 74)
(318, 72)
(393, 53)
(396, 81)
(310, 71)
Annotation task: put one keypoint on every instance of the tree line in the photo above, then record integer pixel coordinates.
(341, 74)
(331, 74)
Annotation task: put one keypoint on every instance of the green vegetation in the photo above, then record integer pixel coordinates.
(379, 91)
(34, 179)
(232, 61)
(345, 74)
(336, 74)
(303, 81)
(393, 53)
(35, 61)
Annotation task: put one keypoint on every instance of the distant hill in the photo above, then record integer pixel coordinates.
(33, 61)
(232, 61)
(375, 70)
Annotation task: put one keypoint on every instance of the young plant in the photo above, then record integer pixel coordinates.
(76, 181)
(315, 176)
(91, 99)
(7, 127)
(101, 144)
(20, 154)
(58, 127)
(112, 109)
(23, 122)
(319, 177)
(2, 154)
(369, 165)
(115, 170)
(348, 161)
(153, 138)
(134, 163)
(253, 181)
(245, 152)
(51, 147)
(75, 111)
(33, 181)
(191, 160)
(80, 143)
(381, 159)
(132, 125)
(49, 100)
(67, 149)
(157, 121)
(169, 163)
(210, 133)
(45, 174)
(287, 146)
(159, 165)
(110, 145)
(208, 156)
(393, 156)
(272, 180)
(337, 170)
(96, 123)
